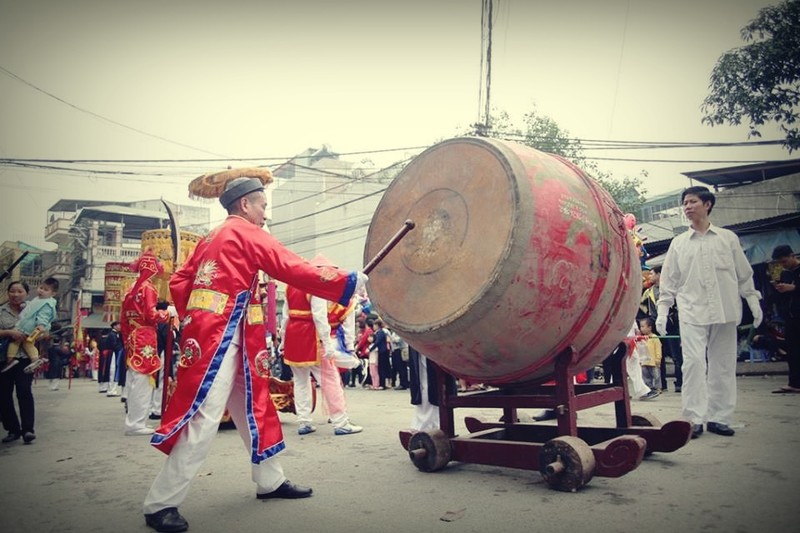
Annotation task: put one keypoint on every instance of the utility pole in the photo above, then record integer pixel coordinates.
(484, 124)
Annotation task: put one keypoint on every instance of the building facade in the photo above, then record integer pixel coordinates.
(90, 234)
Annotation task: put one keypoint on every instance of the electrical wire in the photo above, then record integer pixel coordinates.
(101, 117)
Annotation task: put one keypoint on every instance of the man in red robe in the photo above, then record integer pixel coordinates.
(313, 331)
(139, 318)
(223, 353)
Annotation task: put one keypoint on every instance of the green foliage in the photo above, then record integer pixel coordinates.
(760, 82)
(543, 133)
(627, 192)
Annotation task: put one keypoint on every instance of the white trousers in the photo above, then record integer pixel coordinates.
(633, 368)
(330, 381)
(171, 486)
(139, 393)
(155, 401)
(709, 372)
(426, 415)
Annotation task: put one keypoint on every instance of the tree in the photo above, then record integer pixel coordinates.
(760, 82)
(543, 133)
(627, 192)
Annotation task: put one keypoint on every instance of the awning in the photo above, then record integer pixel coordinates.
(94, 321)
(757, 247)
(745, 174)
(788, 221)
(135, 221)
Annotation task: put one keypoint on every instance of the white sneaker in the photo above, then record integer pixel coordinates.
(9, 365)
(31, 368)
(140, 431)
(305, 429)
(349, 429)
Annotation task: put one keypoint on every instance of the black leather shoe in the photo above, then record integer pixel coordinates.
(697, 430)
(547, 414)
(287, 490)
(720, 429)
(167, 520)
(11, 437)
(28, 437)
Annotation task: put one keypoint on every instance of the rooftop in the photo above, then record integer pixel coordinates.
(744, 174)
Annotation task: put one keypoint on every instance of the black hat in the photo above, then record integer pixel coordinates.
(237, 188)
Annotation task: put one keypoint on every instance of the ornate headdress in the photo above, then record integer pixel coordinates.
(147, 265)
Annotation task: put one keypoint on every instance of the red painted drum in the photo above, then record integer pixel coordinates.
(516, 256)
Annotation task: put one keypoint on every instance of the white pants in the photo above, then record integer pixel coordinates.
(709, 372)
(139, 394)
(155, 401)
(633, 368)
(171, 486)
(327, 375)
(426, 415)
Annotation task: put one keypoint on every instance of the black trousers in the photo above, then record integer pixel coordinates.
(384, 368)
(399, 369)
(121, 368)
(104, 367)
(792, 336)
(17, 379)
(357, 374)
(673, 349)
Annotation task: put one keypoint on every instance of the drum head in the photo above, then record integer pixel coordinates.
(463, 196)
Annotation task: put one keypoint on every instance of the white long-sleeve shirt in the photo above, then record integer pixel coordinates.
(707, 274)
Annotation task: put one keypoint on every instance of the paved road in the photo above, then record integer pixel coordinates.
(83, 475)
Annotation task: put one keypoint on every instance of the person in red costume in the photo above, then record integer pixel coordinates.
(224, 361)
(313, 330)
(139, 318)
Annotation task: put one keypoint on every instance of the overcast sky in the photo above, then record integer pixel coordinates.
(151, 80)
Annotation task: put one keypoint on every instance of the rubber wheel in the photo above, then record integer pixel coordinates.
(648, 421)
(429, 450)
(566, 463)
(645, 420)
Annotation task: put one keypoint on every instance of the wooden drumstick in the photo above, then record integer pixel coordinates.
(408, 225)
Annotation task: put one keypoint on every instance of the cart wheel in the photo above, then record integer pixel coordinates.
(648, 421)
(566, 463)
(645, 420)
(429, 450)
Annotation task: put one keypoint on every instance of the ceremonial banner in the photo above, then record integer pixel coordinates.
(118, 280)
(159, 242)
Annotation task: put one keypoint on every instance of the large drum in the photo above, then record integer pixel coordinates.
(159, 241)
(516, 256)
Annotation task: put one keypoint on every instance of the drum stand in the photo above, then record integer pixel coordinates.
(566, 454)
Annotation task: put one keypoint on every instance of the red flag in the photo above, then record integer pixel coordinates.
(77, 333)
(272, 318)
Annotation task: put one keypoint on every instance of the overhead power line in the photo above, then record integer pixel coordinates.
(282, 159)
(101, 117)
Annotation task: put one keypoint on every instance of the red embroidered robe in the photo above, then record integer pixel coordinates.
(301, 342)
(138, 321)
(214, 292)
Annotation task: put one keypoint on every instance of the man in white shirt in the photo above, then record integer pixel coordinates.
(706, 272)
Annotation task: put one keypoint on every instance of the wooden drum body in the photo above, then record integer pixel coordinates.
(516, 256)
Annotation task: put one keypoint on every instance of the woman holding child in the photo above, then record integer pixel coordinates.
(15, 377)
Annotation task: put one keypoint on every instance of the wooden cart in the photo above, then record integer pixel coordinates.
(566, 454)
